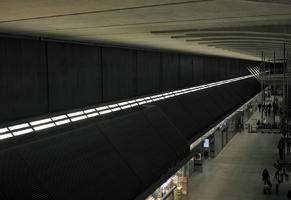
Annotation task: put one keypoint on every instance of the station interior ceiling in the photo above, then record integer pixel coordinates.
(230, 28)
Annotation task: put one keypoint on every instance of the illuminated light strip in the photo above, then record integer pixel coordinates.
(115, 109)
(37, 128)
(102, 108)
(93, 114)
(122, 104)
(19, 126)
(63, 122)
(4, 136)
(125, 107)
(75, 114)
(16, 133)
(71, 117)
(105, 112)
(4, 130)
(113, 106)
(141, 99)
(59, 117)
(42, 121)
(253, 72)
(79, 118)
(89, 110)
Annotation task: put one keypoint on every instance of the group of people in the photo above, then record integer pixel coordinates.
(267, 108)
(266, 125)
(278, 178)
(279, 173)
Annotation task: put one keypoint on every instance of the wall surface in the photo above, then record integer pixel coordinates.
(42, 77)
(23, 79)
(74, 76)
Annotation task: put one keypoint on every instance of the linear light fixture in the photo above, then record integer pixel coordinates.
(37, 128)
(93, 114)
(4, 136)
(75, 114)
(89, 110)
(59, 117)
(19, 126)
(16, 133)
(63, 122)
(42, 121)
(105, 112)
(105, 109)
(79, 118)
(4, 130)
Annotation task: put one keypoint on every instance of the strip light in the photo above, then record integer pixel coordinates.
(89, 110)
(75, 114)
(6, 132)
(63, 122)
(59, 117)
(4, 136)
(37, 128)
(19, 126)
(40, 122)
(3, 130)
(79, 118)
(93, 114)
(16, 133)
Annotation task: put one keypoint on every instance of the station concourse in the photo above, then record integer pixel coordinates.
(145, 100)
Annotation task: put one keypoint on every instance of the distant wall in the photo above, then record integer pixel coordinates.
(41, 77)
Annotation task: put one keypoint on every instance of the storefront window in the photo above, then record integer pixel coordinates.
(173, 189)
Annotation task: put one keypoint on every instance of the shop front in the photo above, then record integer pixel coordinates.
(174, 188)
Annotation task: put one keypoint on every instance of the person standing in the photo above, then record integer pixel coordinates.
(280, 147)
(258, 124)
(278, 179)
(259, 106)
(266, 181)
(288, 146)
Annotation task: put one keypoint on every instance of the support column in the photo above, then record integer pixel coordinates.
(212, 146)
(198, 162)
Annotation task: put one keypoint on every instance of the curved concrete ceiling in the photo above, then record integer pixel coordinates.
(195, 26)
